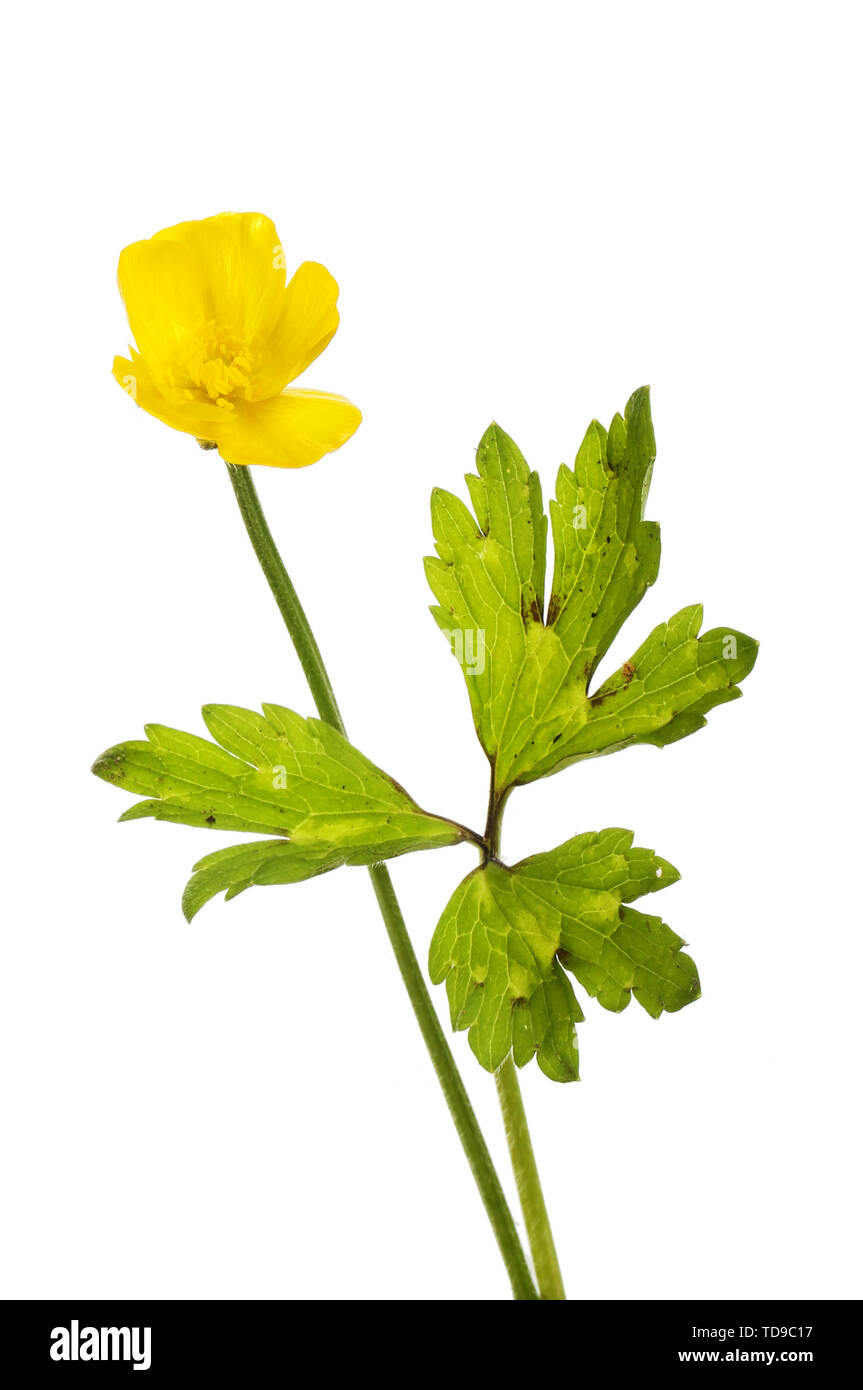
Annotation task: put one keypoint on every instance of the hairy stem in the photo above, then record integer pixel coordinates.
(442, 1059)
(521, 1153)
(527, 1181)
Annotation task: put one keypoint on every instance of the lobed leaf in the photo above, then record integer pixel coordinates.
(272, 774)
(528, 671)
(508, 934)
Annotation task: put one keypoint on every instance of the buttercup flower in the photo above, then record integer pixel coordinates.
(220, 335)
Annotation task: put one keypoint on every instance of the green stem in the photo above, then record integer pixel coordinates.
(451, 1083)
(521, 1153)
(528, 1184)
(285, 595)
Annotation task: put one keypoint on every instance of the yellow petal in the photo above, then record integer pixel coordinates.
(192, 417)
(307, 322)
(287, 431)
(240, 267)
(228, 270)
(162, 293)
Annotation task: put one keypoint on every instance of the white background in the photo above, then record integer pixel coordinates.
(531, 210)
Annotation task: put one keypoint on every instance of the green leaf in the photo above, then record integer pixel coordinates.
(665, 689)
(545, 1025)
(489, 580)
(506, 933)
(528, 671)
(239, 867)
(272, 774)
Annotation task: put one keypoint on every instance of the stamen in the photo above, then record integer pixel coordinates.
(219, 364)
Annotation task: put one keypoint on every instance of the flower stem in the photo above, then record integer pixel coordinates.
(528, 1184)
(442, 1059)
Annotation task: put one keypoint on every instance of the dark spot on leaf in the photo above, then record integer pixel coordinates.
(110, 766)
(519, 1003)
(597, 700)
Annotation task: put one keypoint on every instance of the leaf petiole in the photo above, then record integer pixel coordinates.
(512, 1109)
(527, 1181)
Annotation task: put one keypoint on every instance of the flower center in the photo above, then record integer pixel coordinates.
(219, 363)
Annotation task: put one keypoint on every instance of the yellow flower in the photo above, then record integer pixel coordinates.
(220, 334)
